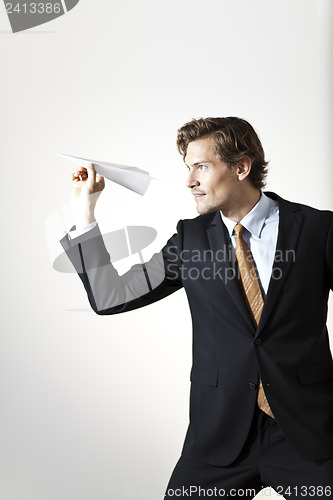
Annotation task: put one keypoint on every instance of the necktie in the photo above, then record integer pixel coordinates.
(253, 296)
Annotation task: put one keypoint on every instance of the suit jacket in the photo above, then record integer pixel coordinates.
(289, 350)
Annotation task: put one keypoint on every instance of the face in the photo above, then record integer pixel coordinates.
(214, 185)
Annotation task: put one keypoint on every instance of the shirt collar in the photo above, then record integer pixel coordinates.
(254, 220)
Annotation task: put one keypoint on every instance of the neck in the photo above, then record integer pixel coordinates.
(242, 205)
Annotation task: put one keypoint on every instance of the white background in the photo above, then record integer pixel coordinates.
(96, 408)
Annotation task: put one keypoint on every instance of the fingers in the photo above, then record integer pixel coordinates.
(95, 182)
(91, 173)
(79, 175)
(100, 179)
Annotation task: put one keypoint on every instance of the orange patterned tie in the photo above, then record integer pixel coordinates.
(253, 296)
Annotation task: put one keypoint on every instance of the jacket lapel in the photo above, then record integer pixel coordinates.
(290, 223)
(219, 239)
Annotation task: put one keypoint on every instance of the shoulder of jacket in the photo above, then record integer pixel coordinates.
(296, 206)
(199, 221)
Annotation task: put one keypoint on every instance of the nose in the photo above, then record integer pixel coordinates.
(191, 180)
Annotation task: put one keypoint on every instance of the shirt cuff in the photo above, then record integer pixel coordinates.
(75, 233)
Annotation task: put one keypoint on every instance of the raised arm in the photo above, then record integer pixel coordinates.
(108, 292)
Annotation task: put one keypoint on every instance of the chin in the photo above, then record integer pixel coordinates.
(202, 210)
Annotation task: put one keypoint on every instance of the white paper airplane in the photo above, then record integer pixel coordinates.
(132, 178)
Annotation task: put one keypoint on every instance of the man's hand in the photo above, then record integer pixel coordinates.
(87, 187)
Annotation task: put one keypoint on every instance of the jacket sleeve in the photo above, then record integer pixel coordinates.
(143, 284)
(329, 254)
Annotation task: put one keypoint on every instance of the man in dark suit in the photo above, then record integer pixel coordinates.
(257, 271)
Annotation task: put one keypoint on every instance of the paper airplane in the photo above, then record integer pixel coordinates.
(132, 178)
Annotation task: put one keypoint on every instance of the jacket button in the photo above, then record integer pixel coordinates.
(257, 341)
(252, 386)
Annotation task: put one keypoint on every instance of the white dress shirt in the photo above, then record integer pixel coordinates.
(261, 230)
(75, 233)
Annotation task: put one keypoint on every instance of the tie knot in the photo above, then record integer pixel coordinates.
(238, 230)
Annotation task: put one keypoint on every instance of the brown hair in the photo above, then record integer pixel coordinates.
(233, 138)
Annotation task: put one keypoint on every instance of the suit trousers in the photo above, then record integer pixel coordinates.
(267, 460)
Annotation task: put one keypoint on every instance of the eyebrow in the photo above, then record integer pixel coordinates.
(198, 163)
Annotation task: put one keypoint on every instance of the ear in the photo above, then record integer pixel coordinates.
(243, 168)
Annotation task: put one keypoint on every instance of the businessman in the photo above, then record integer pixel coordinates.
(257, 271)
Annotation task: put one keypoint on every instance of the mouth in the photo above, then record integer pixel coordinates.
(198, 196)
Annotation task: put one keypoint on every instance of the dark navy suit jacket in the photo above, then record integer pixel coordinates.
(289, 350)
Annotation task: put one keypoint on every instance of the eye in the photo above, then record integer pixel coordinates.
(202, 168)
